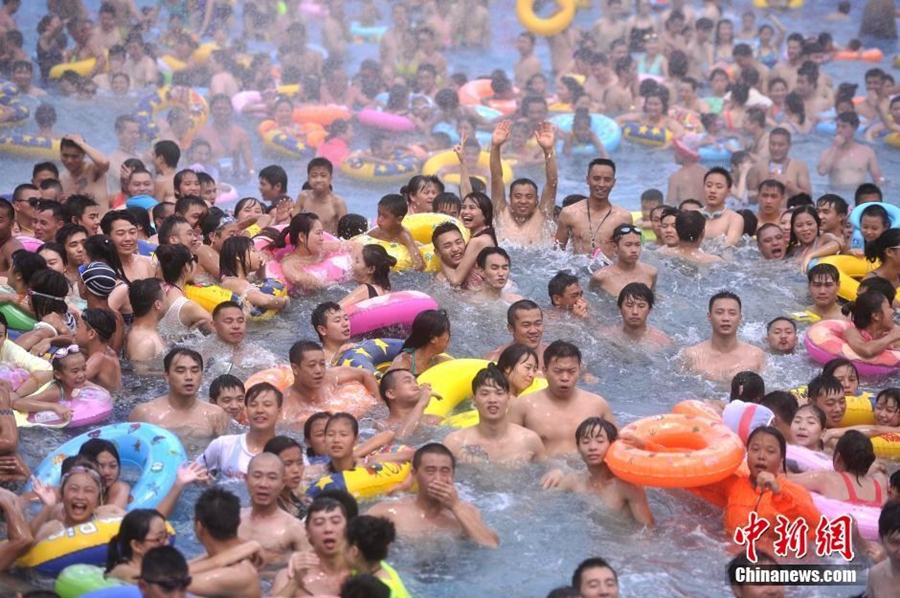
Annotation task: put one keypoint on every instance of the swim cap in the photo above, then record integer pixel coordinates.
(99, 278)
(743, 417)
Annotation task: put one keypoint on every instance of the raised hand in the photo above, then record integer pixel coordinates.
(191, 473)
(47, 494)
(501, 133)
(545, 135)
(458, 148)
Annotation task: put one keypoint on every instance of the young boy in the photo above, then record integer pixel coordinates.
(165, 161)
(94, 330)
(81, 177)
(320, 198)
(594, 436)
(884, 576)
(392, 209)
(824, 281)
(273, 183)
(351, 225)
(627, 268)
(227, 392)
(406, 401)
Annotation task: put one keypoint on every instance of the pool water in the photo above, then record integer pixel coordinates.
(543, 534)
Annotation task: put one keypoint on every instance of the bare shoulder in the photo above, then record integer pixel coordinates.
(525, 435)
(620, 212)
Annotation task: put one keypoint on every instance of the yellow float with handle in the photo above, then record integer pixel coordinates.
(420, 226)
(467, 419)
(365, 481)
(792, 4)
(852, 270)
(81, 67)
(447, 159)
(170, 97)
(554, 25)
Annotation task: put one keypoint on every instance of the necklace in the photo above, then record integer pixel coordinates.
(591, 228)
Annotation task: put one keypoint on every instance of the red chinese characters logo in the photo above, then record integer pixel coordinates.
(791, 537)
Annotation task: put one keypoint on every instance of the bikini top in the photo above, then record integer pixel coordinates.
(856, 500)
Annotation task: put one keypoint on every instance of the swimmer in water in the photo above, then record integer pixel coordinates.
(827, 393)
(781, 336)
(771, 242)
(320, 199)
(406, 400)
(227, 392)
(721, 357)
(332, 326)
(436, 507)
(555, 412)
(525, 323)
(823, 283)
(494, 439)
(594, 436)
(635, 303)
(566, 294)
(493, 265)
(627, 267)
(808, 427)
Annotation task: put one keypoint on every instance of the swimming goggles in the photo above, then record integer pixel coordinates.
(66, 351)
(625, 229)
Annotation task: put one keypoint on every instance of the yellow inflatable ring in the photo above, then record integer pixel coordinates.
(170, 97)
(467, 419)
(444, 159)
(549, 26)
(363, 481)
(420, 226)
(401, 169)
(852, 270)
(81, 67)
(792, 4)
(30, 146)
(887, 446)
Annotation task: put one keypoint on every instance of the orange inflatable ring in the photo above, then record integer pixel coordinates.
(351, 397)
(681, 451)
(697, 409)
(474, 93)
(280, 377)
(870, 55)
(323, 115)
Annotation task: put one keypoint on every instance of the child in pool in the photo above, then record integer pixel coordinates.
(330, 453)
(392, 209)
(808, 427)
(873, 221)
(371, 269)
(582, 135)
(69, 376)
(227, 392)
(594, 436)
(845, 372)
(105, 454)
(873, 330)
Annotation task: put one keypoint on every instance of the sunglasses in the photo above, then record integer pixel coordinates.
(32, 201)
(170, 585)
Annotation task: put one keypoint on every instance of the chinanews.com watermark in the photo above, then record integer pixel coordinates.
(831, 537)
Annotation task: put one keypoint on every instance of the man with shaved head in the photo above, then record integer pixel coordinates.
(278, 533)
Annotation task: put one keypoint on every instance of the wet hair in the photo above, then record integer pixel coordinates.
(636, 290)
(376, 257)
(835, 201)
(164, 562)
(342, 416)
(442, 229)
(867, 189)
(101, 321)
(591, 563)
(750, 221)
(889, 519)
(774, 321)
(142, 294)
(168, 151)
(235, 251)
(856, 451)
(50, 289)
(326, 504)
(307, 429)
(823, 385)
(874, 210)
(180, 176)
(487, 209)
(432, 448)
(448, 201)
(689, 225)
(172, 261)
(112, 216)
(484, 254)
(816, 410)
(387, 382)
(134, 528)
(56, 248)
(560, 349)
(720, 171)
(175, 352)
(221, 383)
(876, 250)
(68, 230)
(301, 224)
(560, 282)
(219, 512)
(261, 387)
(351, 225)
(513, 355)
(748, 387)
(372, 536)
(301, 348)
(839, 362)
(27, 264)
(742, 562)
(592, 425)
(804, 209)
(866, 305)
(490, 376)
(395, 205)
(520, 305)
(428, 324)
(275, 175)
(364, 585)
(879, 285)
(771, 183)
(319, 315)
(772, 431)
(781, 403)
(279, 444)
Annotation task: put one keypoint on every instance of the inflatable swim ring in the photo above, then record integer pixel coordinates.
(269, 286)
(77, 580)
(825, 340)
(866, 517)
(852, 269)
(334, 268)
(792, 4)
(170, 97)
(554, 25)
(384, 121)
(16, 317)
(682, 452)
(646, 135)
(362, 482)
(373, 355)
(870, 55)
(606, 129)
(402, 168)
(251, 101)
(800, 459)
(399, 308)
(285, 145)
(155, 451)
(30, 146)
(90, 405)
(444, 159)
(80, 67)
(467, 419)
(421, 227)
(697, 408)
(371, 34)
(479, 93)
(323, 115)
(208, 296)
(887, 446)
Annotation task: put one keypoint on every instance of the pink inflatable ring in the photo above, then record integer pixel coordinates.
(825, 340)
(391, 309)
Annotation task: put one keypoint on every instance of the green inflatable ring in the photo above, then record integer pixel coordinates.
(77, 580)
(16, 317)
